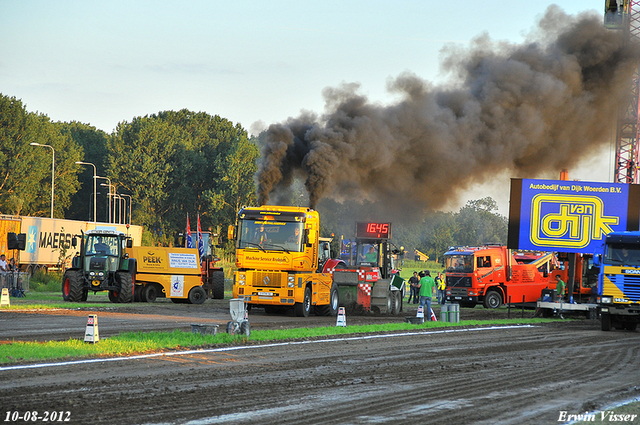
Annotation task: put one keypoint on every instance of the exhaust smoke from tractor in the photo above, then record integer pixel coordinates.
(530, 109)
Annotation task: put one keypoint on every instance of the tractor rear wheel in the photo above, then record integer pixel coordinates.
(218, 285)
(197, 295)
(72, 286)
(396, 302)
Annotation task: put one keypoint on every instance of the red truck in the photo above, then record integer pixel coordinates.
(493, 275)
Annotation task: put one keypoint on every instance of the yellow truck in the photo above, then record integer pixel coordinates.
(282, 262)
(172, 273)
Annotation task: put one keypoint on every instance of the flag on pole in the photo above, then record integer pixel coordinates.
(189, 242)
(199, 238)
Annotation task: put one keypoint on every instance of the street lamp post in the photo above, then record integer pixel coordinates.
(95, 193)
(109, 194)
(53, 169)
(130, 201)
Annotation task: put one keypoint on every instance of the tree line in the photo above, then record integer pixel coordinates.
(177, 162)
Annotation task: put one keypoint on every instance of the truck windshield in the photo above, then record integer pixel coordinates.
(623, 254)
(459, 263)
(270, 235)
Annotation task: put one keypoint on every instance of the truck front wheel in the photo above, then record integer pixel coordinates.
(605, 322)
(492, 300)
(302, 309)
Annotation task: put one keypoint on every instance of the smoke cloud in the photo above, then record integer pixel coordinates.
(531, 108)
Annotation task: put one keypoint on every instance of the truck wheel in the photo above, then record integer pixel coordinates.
(137, 293)
(302, 309)
(605, 322)
(72, 286)
(197, 295)
(334, 301)
(492, 300)
(218, 285)
(149, 293)
(395, 302)
(125, 293)
(330, 309)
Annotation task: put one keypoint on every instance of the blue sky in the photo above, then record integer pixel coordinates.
(252, 62)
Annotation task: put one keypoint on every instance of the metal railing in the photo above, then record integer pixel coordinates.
(16, 282)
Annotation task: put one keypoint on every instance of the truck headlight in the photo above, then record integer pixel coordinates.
(241, 279)
(606, 300)
(291, 281)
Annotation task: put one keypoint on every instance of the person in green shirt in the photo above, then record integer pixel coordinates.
(560, 287)
(426, 286)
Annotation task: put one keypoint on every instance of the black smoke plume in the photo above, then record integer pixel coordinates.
(531, 108)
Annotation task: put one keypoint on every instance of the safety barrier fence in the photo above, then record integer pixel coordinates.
(16, 282)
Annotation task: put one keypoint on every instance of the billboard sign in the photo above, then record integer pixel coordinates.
(569, 216)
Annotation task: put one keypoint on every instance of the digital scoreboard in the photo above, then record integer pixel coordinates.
(369, 230)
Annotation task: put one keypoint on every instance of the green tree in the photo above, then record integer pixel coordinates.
(478, 223)
(94, 144)
(175, 163)
(25, 171)
(140, 163)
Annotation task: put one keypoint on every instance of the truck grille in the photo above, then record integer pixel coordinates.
(629, 285)
(458, 292)
(270, 279)
(459, 281)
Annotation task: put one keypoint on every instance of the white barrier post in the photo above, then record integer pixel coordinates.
(92, 334)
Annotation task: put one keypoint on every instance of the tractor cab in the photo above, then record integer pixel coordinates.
(370, 280)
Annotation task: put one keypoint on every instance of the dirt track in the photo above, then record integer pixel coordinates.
(508, 376)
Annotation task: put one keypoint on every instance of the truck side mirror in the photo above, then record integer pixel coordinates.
(310, 236)
(231, 232)
(129, 243)
(597, 259)
(74, 241)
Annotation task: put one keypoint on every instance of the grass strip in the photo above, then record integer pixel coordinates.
(129, 343)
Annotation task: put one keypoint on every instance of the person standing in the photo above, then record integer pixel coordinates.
(427, 285)
(3, 263)
(413, 288)
(559, 287)
(440, 287)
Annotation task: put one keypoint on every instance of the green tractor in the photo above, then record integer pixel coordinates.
(101, 265)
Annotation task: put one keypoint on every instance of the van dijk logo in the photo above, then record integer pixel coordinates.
(571, 221)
